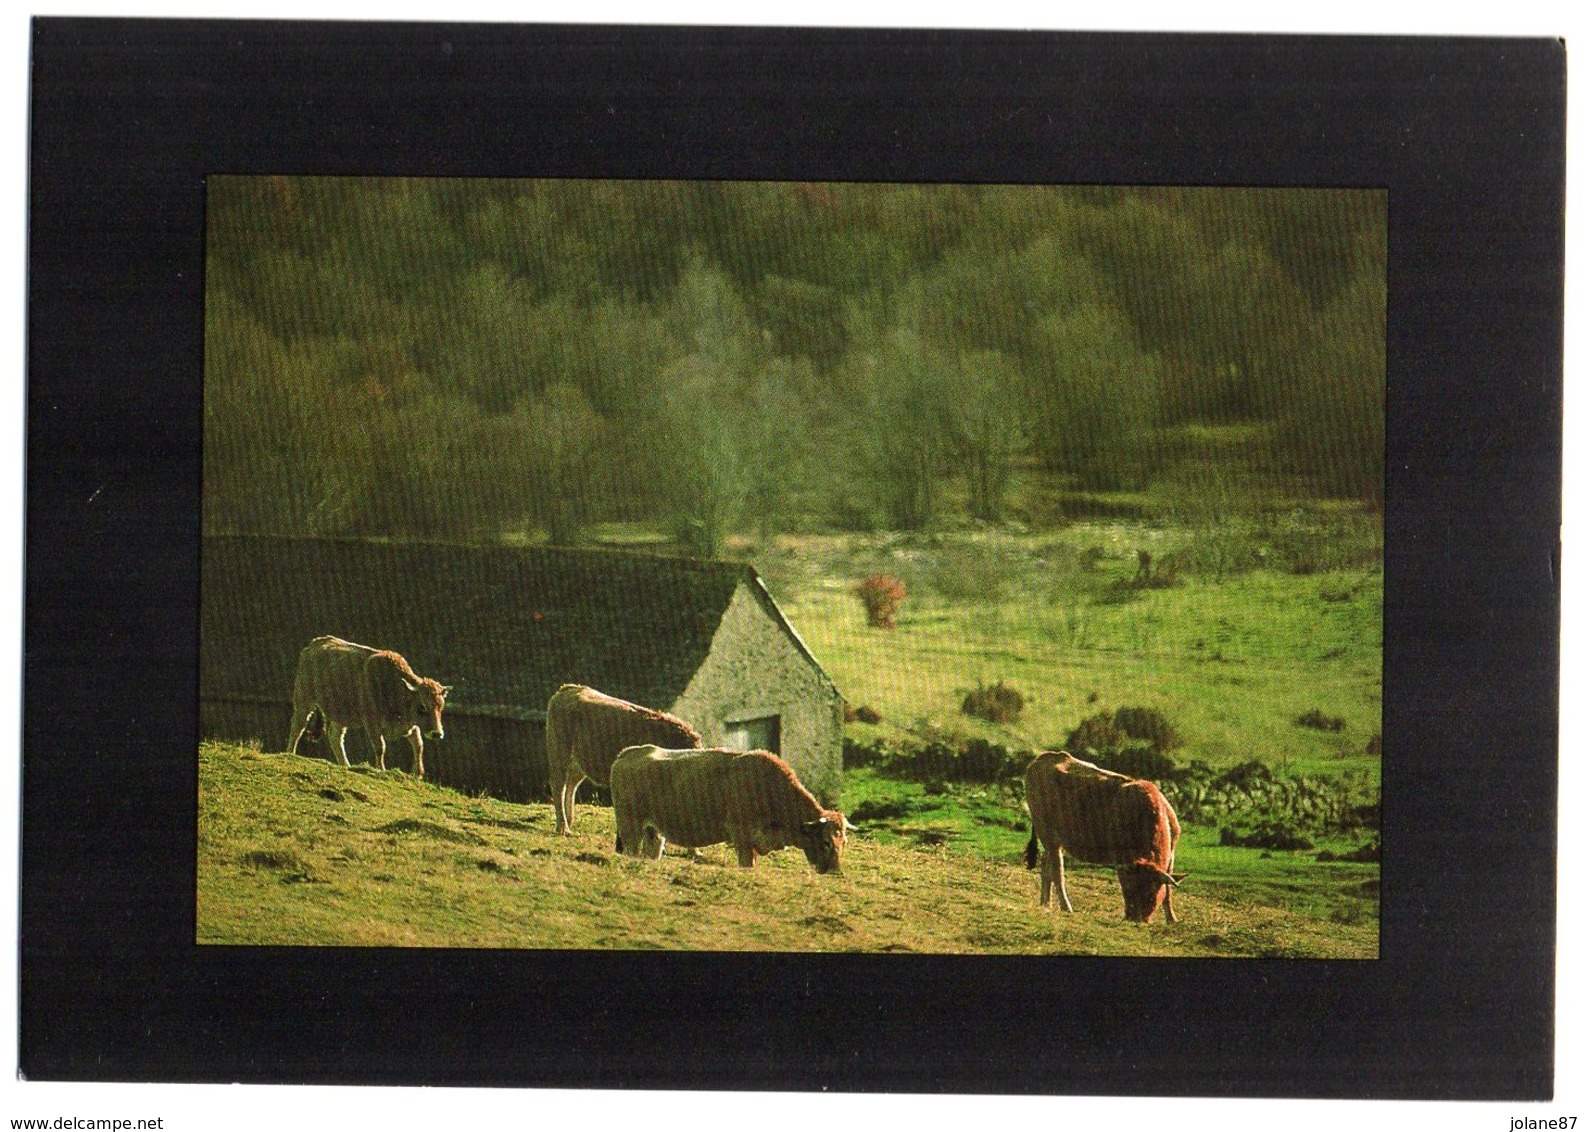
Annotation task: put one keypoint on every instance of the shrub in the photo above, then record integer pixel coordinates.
(864, 754)
(941, 758)
(1095, 733)
(1267, 835)
(1364, 854)
(934, 762)
(1138, 760)
(1133, 741)
(1161, 573)
(982, 761)
(1000, 703)
(1148, 724)
(861, 714)
(1245, 776)
(1316, 720)
(882, 595)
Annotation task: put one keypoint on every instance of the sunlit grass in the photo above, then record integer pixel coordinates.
(296, 852)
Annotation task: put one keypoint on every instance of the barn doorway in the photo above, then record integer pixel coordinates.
(762, 734)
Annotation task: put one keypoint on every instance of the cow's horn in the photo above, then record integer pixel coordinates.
(410, 687)
(1170, 878)
(847, 827)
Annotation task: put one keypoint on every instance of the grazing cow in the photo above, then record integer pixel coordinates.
(750, 799)
(585, 730)
(346, 685)
(1103, 818)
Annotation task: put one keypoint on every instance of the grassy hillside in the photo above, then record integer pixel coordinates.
(300, 852)
(1232, 660)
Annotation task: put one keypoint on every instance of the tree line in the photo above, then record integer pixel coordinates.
(458, 358)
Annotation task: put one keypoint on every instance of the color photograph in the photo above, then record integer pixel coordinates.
(792, 566)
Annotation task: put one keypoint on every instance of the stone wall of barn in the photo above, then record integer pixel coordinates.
(505, 758)
(754, 670)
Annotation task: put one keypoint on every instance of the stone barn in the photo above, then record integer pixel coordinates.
(505, 627)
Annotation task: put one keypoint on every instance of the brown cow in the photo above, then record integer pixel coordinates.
(347, 685)
(750, 799)
(585, 730)
(1103, 818)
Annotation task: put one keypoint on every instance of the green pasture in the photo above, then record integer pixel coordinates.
(1233, 662)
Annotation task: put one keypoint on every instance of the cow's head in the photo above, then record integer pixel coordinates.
(1145, 886)
(426, 699)
(822, 841)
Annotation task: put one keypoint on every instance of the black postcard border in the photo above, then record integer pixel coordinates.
(128, 117)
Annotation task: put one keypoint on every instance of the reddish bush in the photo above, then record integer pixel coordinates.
(882, 594)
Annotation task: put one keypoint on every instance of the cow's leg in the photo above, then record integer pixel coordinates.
(340, 745)
(1047, 878)
(746, 854)
(416, 742)
(556, 777)
(570, 784)
(652, 844)
(300, 724)
(1058, 868)
(555, 786)
(629, 839)
(377, 744)
(559, 804)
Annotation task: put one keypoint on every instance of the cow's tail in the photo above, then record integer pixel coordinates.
(1031, 851)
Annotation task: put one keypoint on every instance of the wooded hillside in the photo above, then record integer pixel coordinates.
(468, 358)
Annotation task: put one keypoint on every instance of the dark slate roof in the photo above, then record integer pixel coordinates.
(505, 626)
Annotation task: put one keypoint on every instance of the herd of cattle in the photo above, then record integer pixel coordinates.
(667, 788)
